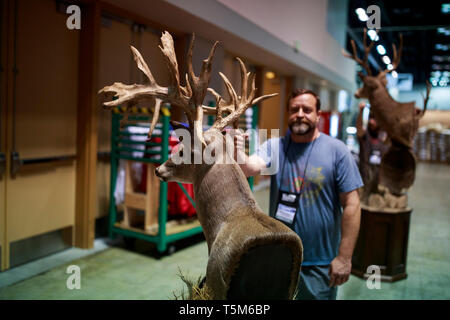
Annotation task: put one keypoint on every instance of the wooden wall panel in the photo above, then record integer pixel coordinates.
(149, 43)
(270, 112)
(87, 126)
(3, 102)
(42, 202)
(46, 98)
(41, 198)
(115, 63)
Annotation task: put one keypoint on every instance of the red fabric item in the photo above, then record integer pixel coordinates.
(178, 203)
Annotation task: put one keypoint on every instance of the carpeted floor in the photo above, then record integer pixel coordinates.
(115, 272)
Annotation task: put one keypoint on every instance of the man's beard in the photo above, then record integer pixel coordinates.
(301, 128)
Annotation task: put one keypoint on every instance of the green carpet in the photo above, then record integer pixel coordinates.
(117, 273)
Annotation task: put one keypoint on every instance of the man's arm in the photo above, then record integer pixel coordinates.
(359, 122)
(250, 165)
(341, 266)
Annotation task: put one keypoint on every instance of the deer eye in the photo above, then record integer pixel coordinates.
(181, 153)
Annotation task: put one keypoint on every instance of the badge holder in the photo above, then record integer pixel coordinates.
(288, 202)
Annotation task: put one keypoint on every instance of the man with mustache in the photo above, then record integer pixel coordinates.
(314, 192)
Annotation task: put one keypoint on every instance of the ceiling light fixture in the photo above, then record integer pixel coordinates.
(381, 50)
(373, 35)
(270, 75)
(386, 60)
(362, 14)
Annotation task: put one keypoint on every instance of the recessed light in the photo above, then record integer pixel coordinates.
(362, 14)
(373, 35)
(381, 50)
(270, 75)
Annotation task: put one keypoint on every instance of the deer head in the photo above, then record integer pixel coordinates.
(370, 82)
(231, 220)
(400, 120)
(189, 98)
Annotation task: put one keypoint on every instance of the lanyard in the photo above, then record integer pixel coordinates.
(306, 166)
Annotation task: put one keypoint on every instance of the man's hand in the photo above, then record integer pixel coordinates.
(340, 271)
(239, 138)
(361, 106)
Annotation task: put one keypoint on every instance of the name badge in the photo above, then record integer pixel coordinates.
(285, 213)
(375, 157)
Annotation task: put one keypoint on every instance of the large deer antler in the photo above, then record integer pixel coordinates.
(362, 62)
(189, 97)
(397, 55)
(237, 104)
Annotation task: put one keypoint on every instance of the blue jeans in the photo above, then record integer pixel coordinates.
(314, 284)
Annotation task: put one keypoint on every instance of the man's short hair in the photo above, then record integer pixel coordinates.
(298, 92)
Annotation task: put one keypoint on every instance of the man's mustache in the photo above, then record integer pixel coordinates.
(301, 122)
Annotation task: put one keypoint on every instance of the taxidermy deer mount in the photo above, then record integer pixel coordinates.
(399, 120)
(250, 255)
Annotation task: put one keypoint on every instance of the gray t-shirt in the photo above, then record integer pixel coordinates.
(331, 170)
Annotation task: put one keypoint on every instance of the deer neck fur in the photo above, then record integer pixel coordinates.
(380, 98)
(220, 189)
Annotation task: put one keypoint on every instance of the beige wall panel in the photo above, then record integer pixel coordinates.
(41, 198)
(3, 89)
(232, 71)
(39, 203)
(149, 43)
(103, 181)
(2, 218)
(115, 65)
(46, 98)
(434, 117)
(270, 111)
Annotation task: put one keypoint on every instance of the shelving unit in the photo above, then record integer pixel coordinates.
(123, 147)
(164, 232)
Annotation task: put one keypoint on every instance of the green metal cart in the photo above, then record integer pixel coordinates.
(120, 149)
(120, 142)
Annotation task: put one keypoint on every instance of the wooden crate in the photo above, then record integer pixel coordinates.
(147, 202)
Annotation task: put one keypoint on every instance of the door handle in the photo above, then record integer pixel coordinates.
(16, 163)
(2, 164)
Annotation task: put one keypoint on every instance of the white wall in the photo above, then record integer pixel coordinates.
(304, 21)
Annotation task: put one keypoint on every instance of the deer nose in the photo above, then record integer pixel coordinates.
(156, 172)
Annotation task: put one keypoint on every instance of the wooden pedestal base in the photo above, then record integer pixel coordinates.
(382, 241)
